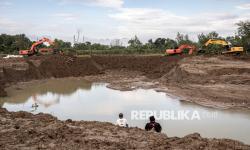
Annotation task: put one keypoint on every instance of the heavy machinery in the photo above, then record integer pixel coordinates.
(33, 50)
(227, 45)
(181, 49)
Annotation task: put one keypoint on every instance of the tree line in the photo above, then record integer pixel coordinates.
(11, 44)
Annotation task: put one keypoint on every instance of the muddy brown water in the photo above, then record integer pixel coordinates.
(78, 99)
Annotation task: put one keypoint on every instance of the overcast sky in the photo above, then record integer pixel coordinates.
(111, 19)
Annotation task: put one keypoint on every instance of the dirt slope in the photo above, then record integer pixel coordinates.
(44, 67)
(23, 130)
(222, 82)
(151, 66)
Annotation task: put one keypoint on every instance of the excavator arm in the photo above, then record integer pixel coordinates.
(180, 50)
(218, 42)
(186, 46)
(32, 50)
(39, 42)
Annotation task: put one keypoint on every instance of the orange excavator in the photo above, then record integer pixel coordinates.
(33, 50)
(181, 49)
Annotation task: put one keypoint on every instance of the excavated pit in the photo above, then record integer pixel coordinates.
(220, 82)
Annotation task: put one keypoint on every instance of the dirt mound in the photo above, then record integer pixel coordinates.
(151, 66)
(220, 81)
(41, 131)
(203, 70)
(65, 66)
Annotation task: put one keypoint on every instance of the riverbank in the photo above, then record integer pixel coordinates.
(22, 130)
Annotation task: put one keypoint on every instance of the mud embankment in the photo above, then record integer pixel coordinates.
(22, 130)
(222, 82)
(33, 68)
(152, 67)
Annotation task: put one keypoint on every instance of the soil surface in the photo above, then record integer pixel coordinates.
(22, 130)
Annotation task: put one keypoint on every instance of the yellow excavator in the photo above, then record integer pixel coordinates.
(229, 48)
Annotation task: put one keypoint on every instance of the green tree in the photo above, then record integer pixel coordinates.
(170, 43)
(13, 43)
(97, 46)
(21, 41)
(213, 35)
(135, 43)
(203, 38)
(160, 43)
(244, 33)
(235, 40)
(80, 46)
(183, 39)
(150, 44)
(60, 44)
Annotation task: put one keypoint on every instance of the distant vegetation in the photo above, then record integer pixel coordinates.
(11, 44)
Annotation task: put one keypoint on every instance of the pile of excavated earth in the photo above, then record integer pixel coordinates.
(219, 81)
(22, 130)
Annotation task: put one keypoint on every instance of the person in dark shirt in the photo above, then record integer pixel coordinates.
(152, 125)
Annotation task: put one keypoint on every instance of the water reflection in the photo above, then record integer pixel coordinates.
(78, 99)
(45, 88)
